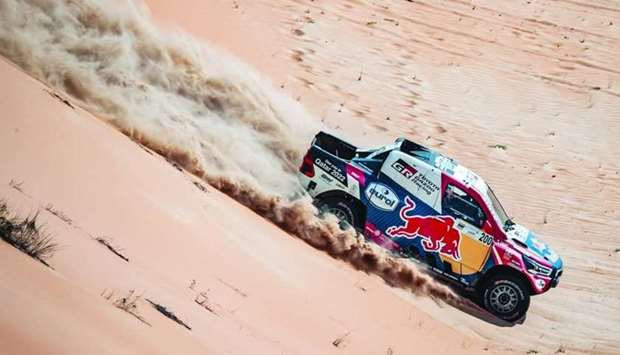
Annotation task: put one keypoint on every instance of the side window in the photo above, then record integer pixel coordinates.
(458, 204)
(381, 157)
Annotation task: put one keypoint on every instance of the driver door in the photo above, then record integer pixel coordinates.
(470, 221)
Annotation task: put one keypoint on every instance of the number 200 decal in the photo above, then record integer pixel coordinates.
(485, 239)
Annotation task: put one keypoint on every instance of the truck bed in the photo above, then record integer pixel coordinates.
(335, 146)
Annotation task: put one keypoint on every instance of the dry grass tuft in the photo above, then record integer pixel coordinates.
(127, 303)
(58, 213)
(17, 185)
(26, 235)
(168, 314)
(111, 248)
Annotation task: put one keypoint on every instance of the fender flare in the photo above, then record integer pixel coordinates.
(506, 270)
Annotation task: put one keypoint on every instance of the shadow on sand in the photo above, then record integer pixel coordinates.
(472, 308)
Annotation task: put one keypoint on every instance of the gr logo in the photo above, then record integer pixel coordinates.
(382, 197)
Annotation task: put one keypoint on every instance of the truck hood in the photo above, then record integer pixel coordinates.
(534, 245)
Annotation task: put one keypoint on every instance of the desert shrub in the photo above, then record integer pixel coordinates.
(127, 303)
(26, 235)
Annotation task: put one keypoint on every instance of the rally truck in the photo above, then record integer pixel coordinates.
(420, 204)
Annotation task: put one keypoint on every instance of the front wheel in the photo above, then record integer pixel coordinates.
(506, 296)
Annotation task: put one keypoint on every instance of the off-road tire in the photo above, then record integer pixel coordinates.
(506, 296)
(344, 209)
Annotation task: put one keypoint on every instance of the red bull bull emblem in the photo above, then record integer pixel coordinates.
(438, 232)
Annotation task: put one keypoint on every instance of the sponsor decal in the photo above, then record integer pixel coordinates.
(519, 233)
(485, 239)
(437, 232)
(404, 169)
(539, 245)
(357, 174)
(445, 164)
(326, 178)
(419, 180)
(372, 232)
(331, 169)
(382, 197)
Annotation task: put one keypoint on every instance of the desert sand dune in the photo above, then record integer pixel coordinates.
(524, 93)
(241, 284)
(538, 78)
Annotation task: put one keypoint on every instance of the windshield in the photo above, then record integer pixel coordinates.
(498, 209)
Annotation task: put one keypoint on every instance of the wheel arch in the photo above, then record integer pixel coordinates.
(339, 194)
(504, 270)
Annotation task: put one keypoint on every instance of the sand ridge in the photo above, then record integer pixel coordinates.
(539, 79)
(241, 284)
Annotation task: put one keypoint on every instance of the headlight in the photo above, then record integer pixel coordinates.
(535, 268)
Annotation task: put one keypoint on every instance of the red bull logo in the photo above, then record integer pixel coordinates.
(438, 232)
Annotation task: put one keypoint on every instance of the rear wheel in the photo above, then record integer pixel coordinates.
(344, 209)
(506, 296)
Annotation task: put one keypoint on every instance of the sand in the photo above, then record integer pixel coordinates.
(261, 291)
(538, 78)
